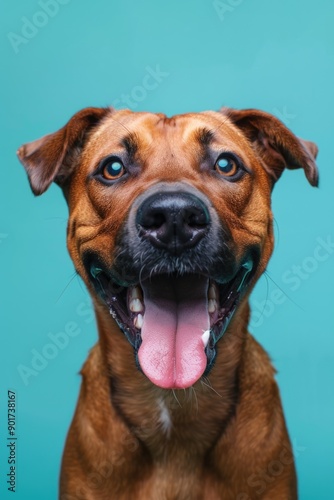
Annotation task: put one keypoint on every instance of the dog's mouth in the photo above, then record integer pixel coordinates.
(173, 321)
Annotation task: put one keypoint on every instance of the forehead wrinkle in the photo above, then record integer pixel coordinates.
(163, 148)
(180, 137)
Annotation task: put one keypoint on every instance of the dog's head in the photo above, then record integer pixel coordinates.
(170, 222)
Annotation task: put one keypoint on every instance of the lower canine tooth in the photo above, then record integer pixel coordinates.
(205, 337)
(212, 305)
(138, 322)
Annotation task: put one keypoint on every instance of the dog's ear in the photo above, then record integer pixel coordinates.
(276, 145)
(53, 157)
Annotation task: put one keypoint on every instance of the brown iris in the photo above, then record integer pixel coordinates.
(113, 170)
(226, 166)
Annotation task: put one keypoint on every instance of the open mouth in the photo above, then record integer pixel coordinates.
(173, 321)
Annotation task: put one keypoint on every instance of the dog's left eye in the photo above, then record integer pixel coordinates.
(226, 166)
(112, 169)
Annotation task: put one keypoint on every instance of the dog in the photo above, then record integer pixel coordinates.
(170, 227)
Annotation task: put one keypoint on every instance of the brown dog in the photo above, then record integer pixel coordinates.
(170, 227)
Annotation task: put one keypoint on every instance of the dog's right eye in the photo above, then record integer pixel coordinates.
(112, 169)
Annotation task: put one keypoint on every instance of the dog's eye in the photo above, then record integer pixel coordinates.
(226, 166)
(113, 169)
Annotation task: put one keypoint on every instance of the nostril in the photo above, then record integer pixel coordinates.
(197, 218)
(152, 219)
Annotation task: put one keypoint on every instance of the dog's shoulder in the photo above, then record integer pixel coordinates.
(257, 373)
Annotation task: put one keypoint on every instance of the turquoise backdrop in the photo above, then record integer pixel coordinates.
(61, 55)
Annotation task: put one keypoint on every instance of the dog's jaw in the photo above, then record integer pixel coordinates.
(174, 322)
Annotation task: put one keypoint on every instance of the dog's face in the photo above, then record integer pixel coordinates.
(170, 221)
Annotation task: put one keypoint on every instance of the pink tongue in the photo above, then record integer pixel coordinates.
(176, 316)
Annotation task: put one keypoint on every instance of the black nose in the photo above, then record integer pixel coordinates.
(174, 221)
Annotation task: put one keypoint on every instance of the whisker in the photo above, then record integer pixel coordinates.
(175, 397)
(277, 229)
(194, 392)
(208, 384)
(212, 131)
(120, 123)
(267, 294)
(287, 296)
(68, 284)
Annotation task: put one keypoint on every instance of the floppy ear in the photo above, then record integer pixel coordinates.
(276, 145)
(53, 157)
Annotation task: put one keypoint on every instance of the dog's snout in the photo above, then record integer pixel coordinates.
(174, 221)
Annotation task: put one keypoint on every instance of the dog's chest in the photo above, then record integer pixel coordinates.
(174, 482)
(171, 457)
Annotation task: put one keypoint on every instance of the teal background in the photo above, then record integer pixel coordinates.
(276, 56)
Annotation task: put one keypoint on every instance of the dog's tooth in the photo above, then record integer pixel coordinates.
(205, 337)
(138, 322)
(212, 305)
(212, 293)
(136, 293)
(136, 305)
